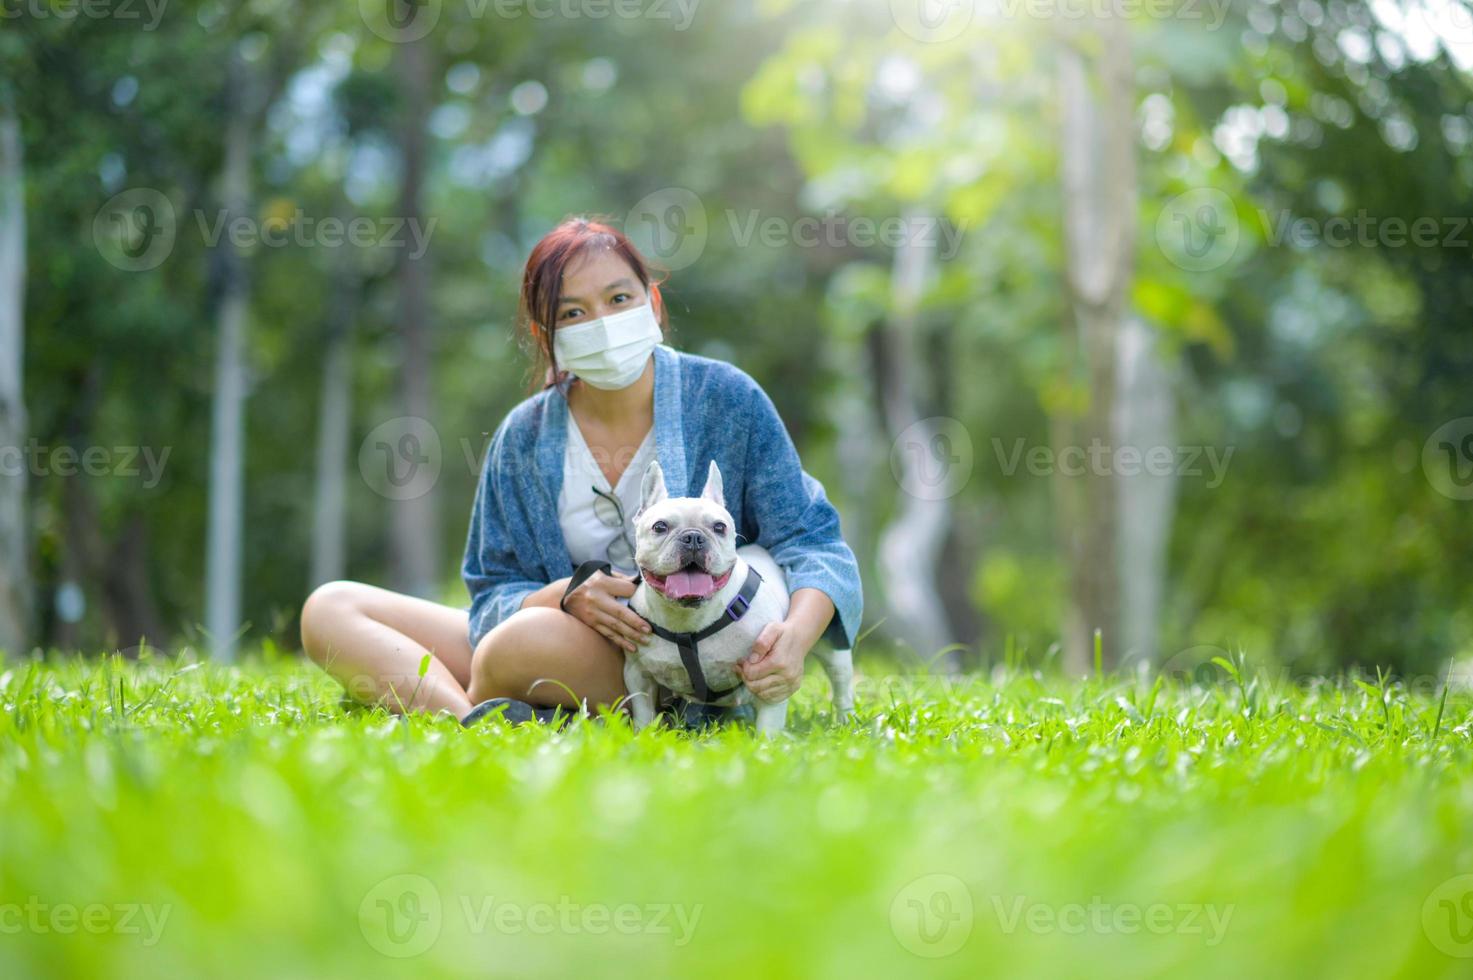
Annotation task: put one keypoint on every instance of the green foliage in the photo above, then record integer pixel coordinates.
(261, 821)
(1324, 369)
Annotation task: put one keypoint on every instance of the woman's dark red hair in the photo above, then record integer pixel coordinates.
(542, 283)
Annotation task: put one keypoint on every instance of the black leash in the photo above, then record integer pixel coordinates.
(686, 643)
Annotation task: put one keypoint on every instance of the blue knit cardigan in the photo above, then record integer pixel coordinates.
(704, 409)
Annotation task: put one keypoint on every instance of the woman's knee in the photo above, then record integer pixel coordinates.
(329, 604)
(514, 637)
(517, 650)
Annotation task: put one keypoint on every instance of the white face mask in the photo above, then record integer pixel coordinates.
(609, 352)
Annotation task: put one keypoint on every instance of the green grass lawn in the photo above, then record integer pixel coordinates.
(158, 819)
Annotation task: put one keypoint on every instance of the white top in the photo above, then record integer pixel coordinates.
(587, 537)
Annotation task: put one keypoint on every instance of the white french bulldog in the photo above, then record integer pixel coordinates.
(691, 573)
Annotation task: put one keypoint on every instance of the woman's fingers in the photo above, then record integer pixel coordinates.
(615, 586)
(626, 636)
(635, 622)
(628, 622)
(612, 631)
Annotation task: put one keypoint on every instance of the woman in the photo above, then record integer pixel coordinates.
(560, 486)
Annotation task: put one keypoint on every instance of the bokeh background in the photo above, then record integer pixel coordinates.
(1142, 317)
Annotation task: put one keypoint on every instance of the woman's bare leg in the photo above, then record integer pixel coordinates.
(538, 643)
(373, 640)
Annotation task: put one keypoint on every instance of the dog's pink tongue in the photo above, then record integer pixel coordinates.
(689, 584)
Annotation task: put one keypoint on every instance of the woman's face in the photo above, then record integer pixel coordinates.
(596, 285)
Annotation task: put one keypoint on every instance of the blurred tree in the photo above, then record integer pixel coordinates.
(15, 577)
(910, 546)
(1099, 198)
(416, 530)
(244, 103)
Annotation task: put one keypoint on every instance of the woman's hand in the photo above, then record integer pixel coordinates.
(774, 669)
(595, 603)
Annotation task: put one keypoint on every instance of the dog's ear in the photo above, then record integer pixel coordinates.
(713, 486)
(652, 490)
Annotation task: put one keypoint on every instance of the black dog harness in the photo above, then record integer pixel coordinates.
(686, 643)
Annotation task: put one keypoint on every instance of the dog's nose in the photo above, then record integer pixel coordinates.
(693, 539)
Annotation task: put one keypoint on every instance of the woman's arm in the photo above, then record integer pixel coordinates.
(786, 511)
(494, 577)
(550, 595)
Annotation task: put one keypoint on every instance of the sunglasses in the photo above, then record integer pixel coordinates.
(610, 513)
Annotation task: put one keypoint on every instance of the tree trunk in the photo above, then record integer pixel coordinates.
(15, 579)
(1145, 418)
(416, 537)
(133, 615)
(334, 424)
(1099, 191)
(910, 546)
(227, 433)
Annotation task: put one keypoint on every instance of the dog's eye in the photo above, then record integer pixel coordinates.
(659, 527)
(719, 527)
